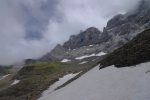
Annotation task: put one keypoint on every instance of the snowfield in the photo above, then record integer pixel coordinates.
(129, 83)
(52, 88)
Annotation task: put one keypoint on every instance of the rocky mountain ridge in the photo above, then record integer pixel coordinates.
(119, 30)
(134, 52)
(85, 38)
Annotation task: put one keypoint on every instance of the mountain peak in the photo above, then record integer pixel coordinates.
(85, 38)
(92, 29)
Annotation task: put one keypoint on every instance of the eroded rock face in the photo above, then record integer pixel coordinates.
(122, 28)
(115, 21)
(88, 37)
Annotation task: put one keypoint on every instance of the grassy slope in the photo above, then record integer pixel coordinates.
(37, 77)
(4, 70)
(134, 52)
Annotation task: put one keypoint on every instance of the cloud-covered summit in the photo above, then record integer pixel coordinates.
(30, 28)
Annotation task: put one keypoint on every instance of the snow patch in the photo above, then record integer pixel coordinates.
(52, 88)
(15, 82)
(107, 84)
(100, 54)
(4, 76)
(87, 56)
(65, 60)
(90, 45)
(83, 62)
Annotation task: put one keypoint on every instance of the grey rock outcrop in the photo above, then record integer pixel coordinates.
(88, 37)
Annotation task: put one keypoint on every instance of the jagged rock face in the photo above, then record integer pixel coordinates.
(139, 16)
(143, 13)
(115, 21)
(120, 35)
(119, 30)
(88, 37)
(122, 28)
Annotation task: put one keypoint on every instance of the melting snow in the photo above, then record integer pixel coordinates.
(15, 82)
(4, 76)
(57, 84)
(65, 60)
(107, 84)
(83, 62)
(87, 56)
(101, 54)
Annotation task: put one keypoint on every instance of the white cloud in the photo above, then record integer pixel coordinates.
(13, 45)
(81, 14)
(56, 21)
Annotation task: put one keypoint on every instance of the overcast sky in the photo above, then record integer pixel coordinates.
(31, 28)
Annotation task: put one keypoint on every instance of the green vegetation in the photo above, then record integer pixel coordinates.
(4, 70)
(37, 77)
(134, 52)
(34, 78)
(39, 68)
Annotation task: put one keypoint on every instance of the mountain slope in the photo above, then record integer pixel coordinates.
(128, 83)
(107, 84)
(33, 79)
(132, 53)
(84, 43)
(58, 52)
